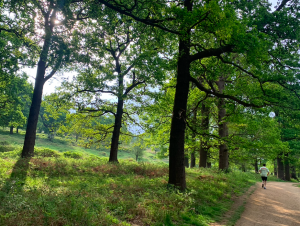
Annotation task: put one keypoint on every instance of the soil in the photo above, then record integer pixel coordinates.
(278, 205)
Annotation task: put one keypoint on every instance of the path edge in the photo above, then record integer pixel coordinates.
(237, 208)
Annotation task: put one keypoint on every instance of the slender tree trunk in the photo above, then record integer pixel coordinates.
(223, 130)
(280, 167)
(208, 164)
(29, 142)
(256, 165)
(287, 175)
(186, 161)
(243, 167)
(17, 131)
(193, 159)
(275, 168)
(203, 143)
(76, 137)
(177, 134)
(11, 130)
(293, 169)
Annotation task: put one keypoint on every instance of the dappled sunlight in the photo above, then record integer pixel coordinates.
(276, 206)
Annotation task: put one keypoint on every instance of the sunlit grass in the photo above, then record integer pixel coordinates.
(86, 190)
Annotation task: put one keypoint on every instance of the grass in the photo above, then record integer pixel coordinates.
(76, 188)
(64, 145)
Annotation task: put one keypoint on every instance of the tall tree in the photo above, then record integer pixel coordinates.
(125, 73)
(50, 24)
(223, 21)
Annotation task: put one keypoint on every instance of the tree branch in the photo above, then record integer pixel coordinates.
(211, 52)
(202, 88)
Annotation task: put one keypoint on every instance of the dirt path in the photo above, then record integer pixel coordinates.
(278, 205)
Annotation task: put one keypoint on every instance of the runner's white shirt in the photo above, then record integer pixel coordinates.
(264, 171)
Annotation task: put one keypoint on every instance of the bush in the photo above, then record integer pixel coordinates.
(46, 152)
(6, 148)
(14, 153)
(74, 155)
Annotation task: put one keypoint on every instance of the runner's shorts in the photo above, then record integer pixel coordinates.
(264, 178)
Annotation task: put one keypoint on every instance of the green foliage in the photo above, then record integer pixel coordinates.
(74, 155)
(90, 191)
(46, 152)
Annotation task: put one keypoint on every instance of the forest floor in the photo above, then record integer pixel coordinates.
(279, 204)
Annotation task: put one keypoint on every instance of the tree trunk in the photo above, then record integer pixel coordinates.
(76, 137)
(17, 131)
(223, 130)
(287, 175)
(136, 157)
(280, 168)
(203, 143)
(186, 161)
(11, 130)
(177, 134)
(243, 167)
(294, 176)
(193, 159)
(256, 165)
(113, 157)
(208, 164)
(29, 142)
(275, 168)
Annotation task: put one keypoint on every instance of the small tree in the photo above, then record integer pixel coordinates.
(138, 151)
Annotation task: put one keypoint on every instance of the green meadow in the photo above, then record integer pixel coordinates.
(69, 185)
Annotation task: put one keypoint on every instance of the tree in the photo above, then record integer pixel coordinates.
(138, 151)
(49, 24)
(227, 28)
(53, 114)
(125, 73)
(16, 93)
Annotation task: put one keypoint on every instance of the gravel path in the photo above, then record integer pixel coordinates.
(278, 205)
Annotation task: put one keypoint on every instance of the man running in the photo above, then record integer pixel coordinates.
(264, 173)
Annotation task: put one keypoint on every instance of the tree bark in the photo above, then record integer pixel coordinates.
(11, 130)
(294, 175)
(243, 167)
(29, 142)
(275, 168)
(17, 130)
(186, 161)
(280, 167)
(256, 165)
(223, 129)
(177, 133)
(193, 159)
(203, 143)
(113, 157)
(287, 175)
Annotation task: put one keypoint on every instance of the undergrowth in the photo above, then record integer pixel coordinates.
(56, 188)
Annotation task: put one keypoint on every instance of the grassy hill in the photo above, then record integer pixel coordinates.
(77, 186)
(62, 145)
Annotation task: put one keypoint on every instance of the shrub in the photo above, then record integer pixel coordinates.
(74, 155)
(6, 148)
(46, 152)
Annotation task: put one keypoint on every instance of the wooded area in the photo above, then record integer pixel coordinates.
(205, 83)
